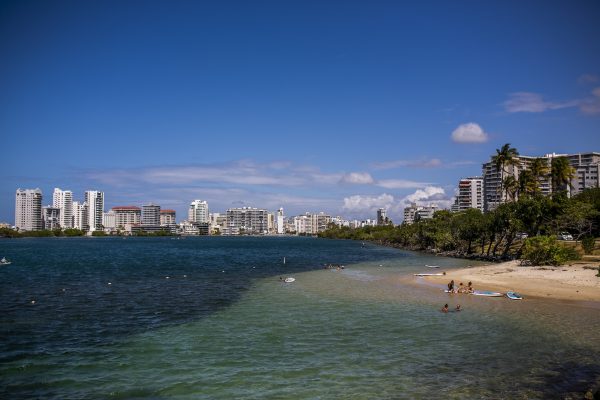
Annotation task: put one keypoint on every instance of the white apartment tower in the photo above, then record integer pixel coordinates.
(470, 194)
(150, 215)
(63, 200)
(95, 202)
(280, 222)
(28, 209)
(198, 211)
(80, 215)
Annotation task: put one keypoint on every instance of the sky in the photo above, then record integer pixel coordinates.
(341, 107)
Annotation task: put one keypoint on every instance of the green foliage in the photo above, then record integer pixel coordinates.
(98, 233)
(545, 250)
(588, 243)
(70, 232)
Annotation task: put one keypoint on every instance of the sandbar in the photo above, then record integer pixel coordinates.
(566, 282)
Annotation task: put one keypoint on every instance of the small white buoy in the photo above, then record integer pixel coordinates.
(185, 276)
(32, 301)
(167, 277)
(110, 283)
(223, 271)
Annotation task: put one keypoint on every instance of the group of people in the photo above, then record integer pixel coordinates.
(445, 308)
(461, 288)
(334, 266)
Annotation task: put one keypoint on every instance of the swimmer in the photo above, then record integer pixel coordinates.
(457, 307)
(445, 308)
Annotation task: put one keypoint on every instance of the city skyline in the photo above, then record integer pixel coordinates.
(321, 108)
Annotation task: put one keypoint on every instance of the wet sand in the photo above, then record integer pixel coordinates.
(567, 282)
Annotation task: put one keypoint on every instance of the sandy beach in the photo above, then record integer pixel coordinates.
(567, 282)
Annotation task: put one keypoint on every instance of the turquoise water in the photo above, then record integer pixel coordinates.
(223, 326)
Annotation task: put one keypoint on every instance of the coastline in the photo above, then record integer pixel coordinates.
(566, 282)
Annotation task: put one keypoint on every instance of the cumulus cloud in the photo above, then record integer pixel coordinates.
(533, 103)
(469, 133)
(359, 178)
(367, 204)
(426, 194)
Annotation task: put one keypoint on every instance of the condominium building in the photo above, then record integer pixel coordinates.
(28, 209)
(311, 224)
(127, 216)
(198, 211)
(470, 194)
(95, 202)
(416, 212)
(51, 217)
(279, 222)
(63, 200)
(382, 218)
(586, 166)
(167, 218)
(109, 221)
(246, 220)
(80, 215)
(150, 215)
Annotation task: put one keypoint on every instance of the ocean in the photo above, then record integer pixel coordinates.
(210, 318)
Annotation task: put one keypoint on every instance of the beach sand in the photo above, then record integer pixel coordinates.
(567, 282)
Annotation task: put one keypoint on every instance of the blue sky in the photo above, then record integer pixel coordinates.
(335, 106)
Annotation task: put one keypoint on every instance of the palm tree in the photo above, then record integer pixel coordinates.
(504, 157)
(511, 186)
(562, 173)
(539, 169)
(527, 183)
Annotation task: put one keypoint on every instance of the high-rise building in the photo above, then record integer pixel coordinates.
(246, 220)
(95, 202)
(150, 215)
(470, 194)
(415, 212)
(280, 222)
(167, 218)
(198, 211)
(586, 166)
(80, 215)
(28, 209)
(109, 221)
(382, 218)
(311, 224)
(51, 217)
(63, 200)
(127, 216)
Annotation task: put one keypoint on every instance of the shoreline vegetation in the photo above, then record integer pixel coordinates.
(530, 229)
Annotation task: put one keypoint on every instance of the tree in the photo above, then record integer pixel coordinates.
(562, 173)
(539, 169)
(511, 187)
(504, 157)
(528, 184)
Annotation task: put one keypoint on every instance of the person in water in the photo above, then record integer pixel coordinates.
(445, 308)
(457, 307)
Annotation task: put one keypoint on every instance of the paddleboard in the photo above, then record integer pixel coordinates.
(432, 266)
(486, 293)
(514, 296)
(289, 280)
(429, 274)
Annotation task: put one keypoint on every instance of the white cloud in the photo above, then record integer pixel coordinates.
(367, 204)
(425, 163)
(360, 178)
(533, 103)
(469, 133)
(426, 194)
(591, 105)
(399, 184)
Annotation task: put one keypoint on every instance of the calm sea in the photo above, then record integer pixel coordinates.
(209, 318)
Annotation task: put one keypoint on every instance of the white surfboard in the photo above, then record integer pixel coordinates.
(430, 274)
(486, 293)
(289, 280)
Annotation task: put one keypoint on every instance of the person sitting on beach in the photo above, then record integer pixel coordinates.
(445, 308)
(457, 307)
(451, 286)
(461, 288)
(470, 287)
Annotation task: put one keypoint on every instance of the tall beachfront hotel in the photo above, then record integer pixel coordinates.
(95, 203)
(28, 209)
(63, 200)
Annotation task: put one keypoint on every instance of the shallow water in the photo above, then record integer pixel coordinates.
(230, 329)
